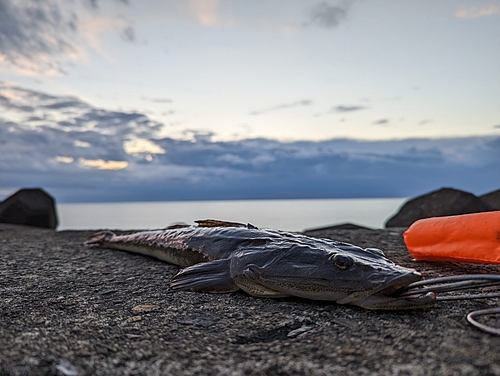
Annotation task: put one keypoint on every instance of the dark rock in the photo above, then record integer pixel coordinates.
(29, 207)
(341, 226)
(440, 203)
(492, 199)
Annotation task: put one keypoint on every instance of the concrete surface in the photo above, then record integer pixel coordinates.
(69, 310)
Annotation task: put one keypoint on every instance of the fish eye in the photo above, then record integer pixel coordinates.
(342, 262)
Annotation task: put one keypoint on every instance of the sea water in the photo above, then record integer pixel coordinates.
(291, 215)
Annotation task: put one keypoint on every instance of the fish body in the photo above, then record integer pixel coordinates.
(220, 257)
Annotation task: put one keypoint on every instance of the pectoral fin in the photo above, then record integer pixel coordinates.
(211, 276)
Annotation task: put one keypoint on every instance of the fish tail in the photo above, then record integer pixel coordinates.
(98, 239)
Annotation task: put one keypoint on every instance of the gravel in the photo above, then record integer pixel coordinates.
(69, 310)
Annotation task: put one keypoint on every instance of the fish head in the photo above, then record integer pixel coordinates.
(345, 273)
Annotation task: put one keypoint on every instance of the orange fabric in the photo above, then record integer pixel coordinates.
(460, 238)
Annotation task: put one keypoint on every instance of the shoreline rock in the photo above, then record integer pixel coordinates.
(492, 199)
(438, 203)
(29, 207)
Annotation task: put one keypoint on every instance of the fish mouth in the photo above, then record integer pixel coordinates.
(387, 298)
(400, 283)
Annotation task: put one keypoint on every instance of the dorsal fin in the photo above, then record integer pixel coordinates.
(218, 223)
(176, 226)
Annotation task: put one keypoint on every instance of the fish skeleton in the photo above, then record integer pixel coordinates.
(220, 257)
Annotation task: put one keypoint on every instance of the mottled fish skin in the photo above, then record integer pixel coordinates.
(191, 245)
(170, 246)
(222, 256)
(184, 246)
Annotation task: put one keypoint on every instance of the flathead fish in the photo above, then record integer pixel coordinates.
(221, 257)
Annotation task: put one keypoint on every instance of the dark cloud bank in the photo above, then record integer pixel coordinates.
(49, 147)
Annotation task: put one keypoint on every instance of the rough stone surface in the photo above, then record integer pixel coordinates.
(29, 207)
(492, 199)
(69, 310)
(439, 203)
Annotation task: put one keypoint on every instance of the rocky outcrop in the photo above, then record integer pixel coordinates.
(29, 207)
(440, 203)
(492, 199)
(341, 226)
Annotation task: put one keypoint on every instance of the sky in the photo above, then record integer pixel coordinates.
(128, 100)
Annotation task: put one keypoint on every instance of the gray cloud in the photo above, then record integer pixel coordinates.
(128, 34)
(496, 126)
(71, 103)
(95, 3)
(44, 147)
(39, 36)
(327, 15)
(259, 168)
(426, 121)
(157, 100)
(348, 108)
(381, 122)
(304, 102)
(32, 29)
(92, 3)
(71, 115)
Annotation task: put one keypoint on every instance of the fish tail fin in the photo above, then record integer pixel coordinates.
(98, 239)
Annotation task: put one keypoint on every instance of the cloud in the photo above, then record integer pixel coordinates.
(476, 12)
(348, 108)
(328, 16)
(304, 102)
(95, 3)
(63, 159)
(205, 11)
(31, 32)
(92, 3)
(82, 153)
(157, 100)
(425, 121)
(42, 37)
(496, 126)
(138, 146)
(128, 34)
(103, 165)
(381, 122)
(71, 127)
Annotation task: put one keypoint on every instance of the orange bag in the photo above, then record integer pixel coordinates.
(460, 238)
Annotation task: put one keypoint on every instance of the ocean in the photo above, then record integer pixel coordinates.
(291, 215)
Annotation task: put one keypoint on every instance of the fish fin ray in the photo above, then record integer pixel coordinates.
(219, 223)
(177, 226)
(211, 276)
(98, 239)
